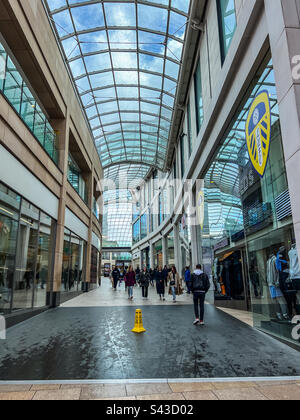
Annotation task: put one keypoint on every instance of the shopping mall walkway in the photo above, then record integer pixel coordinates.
(84, 340)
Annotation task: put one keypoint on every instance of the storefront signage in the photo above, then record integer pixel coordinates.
(248, 178)
(258, 132)
(222, 244)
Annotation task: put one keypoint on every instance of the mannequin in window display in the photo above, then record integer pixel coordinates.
(295, 271)
(274, 286)
(216, 277)
(286, 284)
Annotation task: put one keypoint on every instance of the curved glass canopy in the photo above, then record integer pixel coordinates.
(125, 58)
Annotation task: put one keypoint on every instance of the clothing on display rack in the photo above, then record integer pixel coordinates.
(286, 284)
(273, 281)
(294, 267)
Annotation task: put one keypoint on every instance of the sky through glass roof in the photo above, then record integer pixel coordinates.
(125, 58)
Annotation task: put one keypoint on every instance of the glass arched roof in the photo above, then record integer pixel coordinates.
(125, 58)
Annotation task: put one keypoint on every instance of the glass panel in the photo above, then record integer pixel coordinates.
(141, 50)
(45, 257)
(199, 98)
(26, 258)
(227, 19)
(9, 216)
(23, 100)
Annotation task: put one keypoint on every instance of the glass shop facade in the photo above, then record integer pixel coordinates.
(248, 231)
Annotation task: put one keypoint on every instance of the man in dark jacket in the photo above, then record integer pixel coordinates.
(115, 276)
(200, 285)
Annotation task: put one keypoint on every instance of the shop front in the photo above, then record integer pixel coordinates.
(74, 263)
(27, 241)
(248, 216)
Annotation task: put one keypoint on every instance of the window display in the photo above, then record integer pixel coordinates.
(27, 241)
(248, 214)
(74, 262)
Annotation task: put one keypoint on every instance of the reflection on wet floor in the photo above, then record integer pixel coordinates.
(83, 343)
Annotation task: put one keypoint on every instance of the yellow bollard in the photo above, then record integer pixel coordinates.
(138, 325)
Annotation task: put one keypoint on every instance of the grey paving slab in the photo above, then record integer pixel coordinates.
(97, 343)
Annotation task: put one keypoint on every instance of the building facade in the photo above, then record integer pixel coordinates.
(50, 220)
(241, 68)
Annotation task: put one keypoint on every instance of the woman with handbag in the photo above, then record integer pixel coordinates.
(175, 283)
(145, 282)
(160, 283)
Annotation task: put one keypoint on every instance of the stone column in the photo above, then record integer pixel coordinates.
(62, 129)
(151, 255)
(177, 249)
(165, 250)
(195, 254)
(90, 187)
(283, 18)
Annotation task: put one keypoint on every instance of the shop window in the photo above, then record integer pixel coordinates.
(76, 179)
(227, 24)
(182, 154)
(27, 243)
(189, 129)
(136, 232)
(21, 97)
(74, 263)
(144, 226)
(199, 98)
(9, 222)
(248, 222)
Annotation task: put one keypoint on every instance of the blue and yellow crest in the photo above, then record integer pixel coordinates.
(258, 132)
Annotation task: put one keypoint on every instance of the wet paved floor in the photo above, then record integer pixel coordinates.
(97, 343)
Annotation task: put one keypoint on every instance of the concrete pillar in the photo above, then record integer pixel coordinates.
(151, 255)
(195, 254)
(90, 187)
(165, 250)
(283, 18)
(62, 130)
(140, 259)
(177, 249)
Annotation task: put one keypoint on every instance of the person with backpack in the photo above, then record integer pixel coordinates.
(145, 282)
(200, 285)
(115, 274)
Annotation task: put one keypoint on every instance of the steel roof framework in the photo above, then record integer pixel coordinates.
(125, 59)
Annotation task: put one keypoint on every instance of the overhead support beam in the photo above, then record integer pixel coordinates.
(193, 35)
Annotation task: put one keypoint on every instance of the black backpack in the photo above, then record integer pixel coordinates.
(200, 282)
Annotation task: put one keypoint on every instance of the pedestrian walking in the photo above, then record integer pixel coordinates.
(145, 282)
(165, 275)
(122, 276)
(175, 283)
(137, 275)
(200, 285)
(160, 283)
(115, 274)
(187, 279)
(130, 282)
(152, 276)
